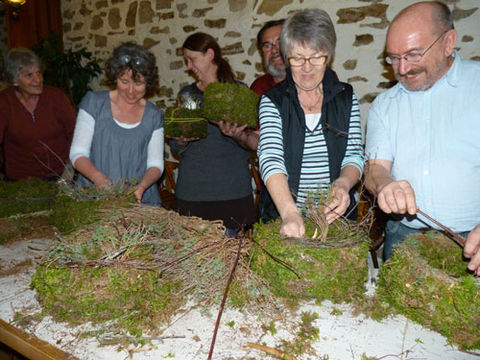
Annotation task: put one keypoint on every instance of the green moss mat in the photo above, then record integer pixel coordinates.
(188, 123)
(231, 103)
(337, 274)
(427, 281)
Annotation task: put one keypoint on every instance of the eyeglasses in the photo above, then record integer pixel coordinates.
(131, 60)
(267, 45)
(411, 57)
(314, 60)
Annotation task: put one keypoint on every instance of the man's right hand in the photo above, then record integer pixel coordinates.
(397, 197)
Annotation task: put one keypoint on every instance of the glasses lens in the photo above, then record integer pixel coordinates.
(318, 60)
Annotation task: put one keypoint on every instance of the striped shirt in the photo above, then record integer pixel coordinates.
(315, 173)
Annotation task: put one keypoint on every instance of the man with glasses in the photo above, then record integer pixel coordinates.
(268, 42)
(422, 147)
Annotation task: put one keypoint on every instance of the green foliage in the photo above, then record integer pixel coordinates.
(188, 123)
(70, 70)
(231, 103)
(337, 274)
(414, 287)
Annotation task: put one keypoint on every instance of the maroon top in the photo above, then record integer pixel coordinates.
(262, 84)
(38, 145)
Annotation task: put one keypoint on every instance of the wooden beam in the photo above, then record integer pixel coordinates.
(30, 346)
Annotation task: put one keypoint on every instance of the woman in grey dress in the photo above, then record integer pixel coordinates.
(119, 134)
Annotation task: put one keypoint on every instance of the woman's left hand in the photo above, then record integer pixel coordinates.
(339, 204)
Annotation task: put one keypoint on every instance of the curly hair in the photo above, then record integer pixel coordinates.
(136, 58)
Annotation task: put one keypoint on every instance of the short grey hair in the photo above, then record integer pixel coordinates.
(16, 60)
(310, 27)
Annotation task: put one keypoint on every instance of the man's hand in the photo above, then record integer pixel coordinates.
(472, 250)
(397, 197)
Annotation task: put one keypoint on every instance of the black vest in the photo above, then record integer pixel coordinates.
(335, 121)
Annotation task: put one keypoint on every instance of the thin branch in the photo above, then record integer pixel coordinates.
(457, 238)
(217, 324)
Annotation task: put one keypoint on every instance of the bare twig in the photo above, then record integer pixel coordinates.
(271, 351)
(457, 238)
(217, 324)
(288, 266)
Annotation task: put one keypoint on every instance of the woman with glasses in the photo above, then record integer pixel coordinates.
(214, 180)
(310, 129)
(119, 134)
(36, 120)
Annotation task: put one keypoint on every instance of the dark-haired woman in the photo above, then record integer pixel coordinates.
(214, 179)
(119, 134)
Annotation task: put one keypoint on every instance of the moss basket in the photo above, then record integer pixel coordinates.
(427, 280)
(231, 103)
(334, 273)
(188, 123)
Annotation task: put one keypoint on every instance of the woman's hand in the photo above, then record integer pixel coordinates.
(292, 225)
(182, 140)
(233, 130)
(102, 182)
(339, 204)
(139, 193)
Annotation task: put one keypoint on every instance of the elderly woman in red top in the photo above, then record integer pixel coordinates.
(36, 120)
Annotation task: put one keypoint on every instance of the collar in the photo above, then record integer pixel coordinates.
(451, 77)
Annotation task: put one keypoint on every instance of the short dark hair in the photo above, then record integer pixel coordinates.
(18, 59)
(136, 58)
(264, 28)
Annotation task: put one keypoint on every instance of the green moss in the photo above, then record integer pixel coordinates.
(337, 274)
(188, 123)
(26, 196)
(231, 103)
(306, 334)
(131, 299)
(425, 291)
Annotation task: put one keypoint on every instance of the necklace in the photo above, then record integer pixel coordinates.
(311, 106)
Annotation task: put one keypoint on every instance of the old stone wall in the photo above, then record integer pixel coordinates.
(163, 25)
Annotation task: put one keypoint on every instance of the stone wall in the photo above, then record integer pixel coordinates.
(163, 25)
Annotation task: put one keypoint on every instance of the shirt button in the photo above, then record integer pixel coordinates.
(425, 172)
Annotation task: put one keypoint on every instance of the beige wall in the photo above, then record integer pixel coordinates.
(163, 25)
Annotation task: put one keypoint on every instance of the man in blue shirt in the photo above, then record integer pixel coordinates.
(422, 140)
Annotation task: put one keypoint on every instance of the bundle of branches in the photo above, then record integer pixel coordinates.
(138, 266)
(231, 103)
(330, 263)
(426, 280)
(188, 123)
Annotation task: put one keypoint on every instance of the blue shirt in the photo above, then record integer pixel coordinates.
(432, 137)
